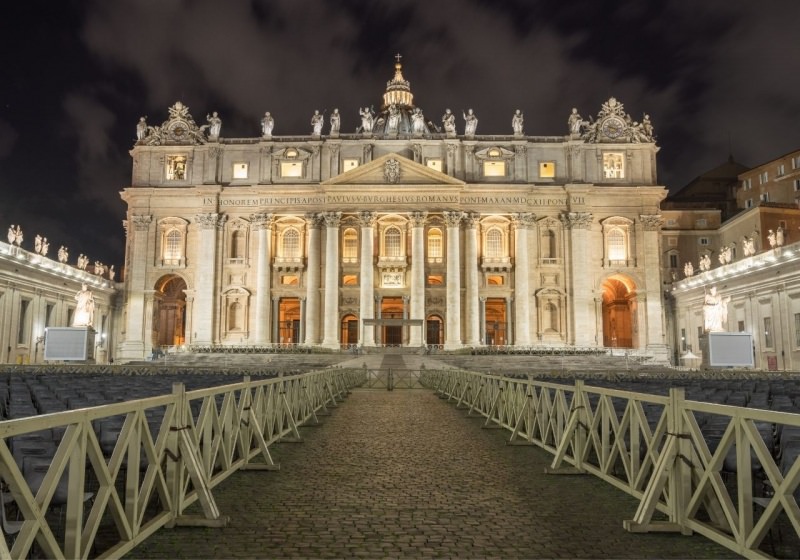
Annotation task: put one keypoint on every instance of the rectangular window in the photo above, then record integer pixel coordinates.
(289, 280)
(349, 163)
(796, 162)
(684, 346)
(764, 197)
(767, 332)
(797, 330)
(176, 168)
(672, 242)
(703, 241)
(547, 169)
(240, 170)
(781, 170)
(613, 165)
(740, 326)
(434, 163)
(291, 169)
(763, 177)
(48, 315)
(745, 184)
(796, 183)
(673, 261)
(748, 203)
(494, 169)
(782, 224)
(22, 331)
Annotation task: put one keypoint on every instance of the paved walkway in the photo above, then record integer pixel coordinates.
(403, 474)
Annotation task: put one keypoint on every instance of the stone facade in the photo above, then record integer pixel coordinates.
(397, 235)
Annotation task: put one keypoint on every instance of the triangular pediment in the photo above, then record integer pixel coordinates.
(391, 170)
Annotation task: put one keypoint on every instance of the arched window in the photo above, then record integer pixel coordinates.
(494, 243)
(350, 245)
(434, 244)
(391, 242)
(616, 245)
(172, 245)
(291, 244)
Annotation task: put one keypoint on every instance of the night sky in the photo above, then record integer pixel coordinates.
(717, 77)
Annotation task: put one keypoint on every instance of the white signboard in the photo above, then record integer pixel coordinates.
(730, 349)
(69, 343)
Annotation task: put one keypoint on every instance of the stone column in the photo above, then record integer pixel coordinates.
(453, 335)
(276, 318)
(656, 344)
(404, 330)
(331, 334)
(314, 223)
(367, 280)
(578, 225)
(302, 334)
(471, 302)
(522, 308)
(262, 225)
(378, 305)
(205, 302)
(482, 319)
(417, 276)
(138, 229)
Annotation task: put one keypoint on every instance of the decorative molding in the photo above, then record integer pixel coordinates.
(391, 171)
(261, 221)
(523, 220)
(367, 219)
(332, 219)
(471, 220)
(207, 221)
(417, 219)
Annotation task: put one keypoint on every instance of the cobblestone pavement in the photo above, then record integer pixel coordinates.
(402, 474)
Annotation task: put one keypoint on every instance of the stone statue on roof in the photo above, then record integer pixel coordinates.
(449, 123)
(470, 123)
(516, 123)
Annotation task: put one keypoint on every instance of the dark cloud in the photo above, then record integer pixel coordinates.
(714, 76)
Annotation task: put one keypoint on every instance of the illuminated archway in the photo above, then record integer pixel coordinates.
(619, 312)
(349, 329)
(169, 311)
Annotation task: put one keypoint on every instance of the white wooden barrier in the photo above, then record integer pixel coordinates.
(154, 474)
(650, 446)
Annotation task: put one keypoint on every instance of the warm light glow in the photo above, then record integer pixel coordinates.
(614, 165)
(240, 170)
(349, 163)
(291, 169)
(434, 163)
(547, 169)
(494, 169)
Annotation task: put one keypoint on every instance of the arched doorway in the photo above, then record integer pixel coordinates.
(289, 320)
(169, 312)
(349, 330)
(392, 308)
(619, 311)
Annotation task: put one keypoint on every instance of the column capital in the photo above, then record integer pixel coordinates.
(471, 220)
(261, 221)
(523, 220)
(141, 222)
(210, 220)
(332, 219)
(417, 219)
(313, 220)
(651, 222)
(453, 219)
(576, 220)
(367, 219)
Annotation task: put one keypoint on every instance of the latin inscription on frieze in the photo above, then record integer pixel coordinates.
(388, 198)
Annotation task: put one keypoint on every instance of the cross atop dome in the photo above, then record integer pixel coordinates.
(398, 89)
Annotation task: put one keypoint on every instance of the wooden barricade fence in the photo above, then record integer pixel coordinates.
(651, 447)
(171, 451)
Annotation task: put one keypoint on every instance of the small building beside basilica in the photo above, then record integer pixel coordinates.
(405, 233)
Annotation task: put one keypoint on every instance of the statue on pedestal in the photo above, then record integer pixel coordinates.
(84, 308)
(688, 270)
(449, 122)
(574, 122)
(336, 121)
(267, 124)
(516, 123)
(471, 123)
(779, 238)
(417, 122)
(715, 311)
(37, 244)
(393, 124)
(367, 120)
(316, 123)
(214, 126)
(772, 238)
(141, 128)
(705, 263)
(63, 254)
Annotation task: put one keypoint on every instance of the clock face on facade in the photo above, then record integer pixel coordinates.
(613, 127)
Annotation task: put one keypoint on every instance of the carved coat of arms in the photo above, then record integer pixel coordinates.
(391, 171)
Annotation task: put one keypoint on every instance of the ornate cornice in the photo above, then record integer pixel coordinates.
(471, 220)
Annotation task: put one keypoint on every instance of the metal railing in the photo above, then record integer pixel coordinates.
(653, 448)
(169, 452)
(392, 378)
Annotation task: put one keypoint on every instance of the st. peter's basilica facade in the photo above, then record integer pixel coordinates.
(405, 233)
